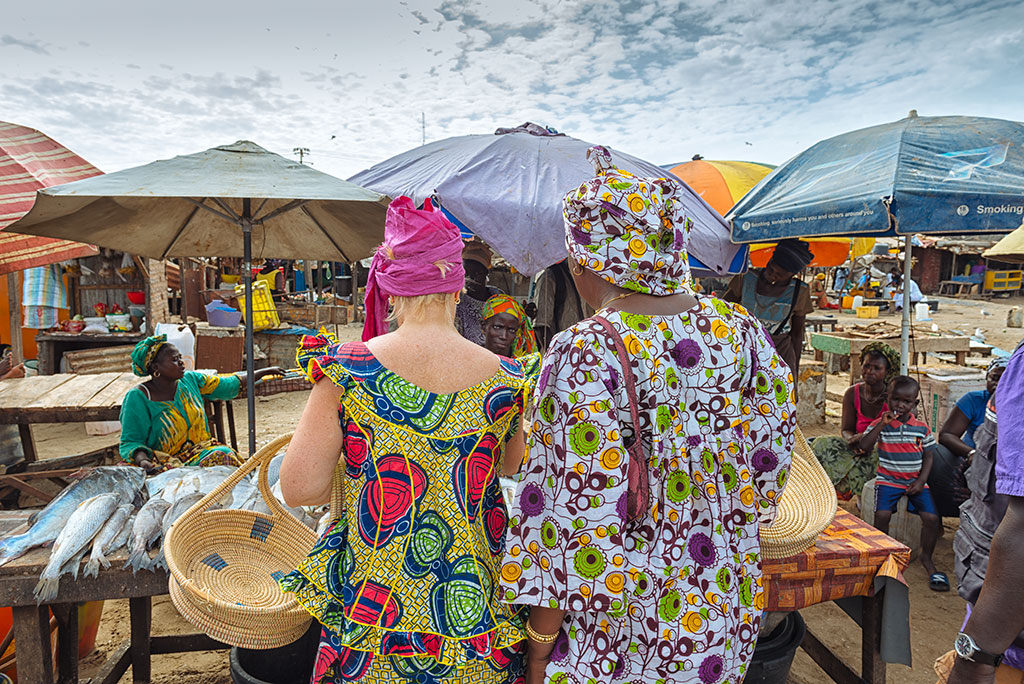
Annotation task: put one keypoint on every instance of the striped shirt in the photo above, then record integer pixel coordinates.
(900, 451)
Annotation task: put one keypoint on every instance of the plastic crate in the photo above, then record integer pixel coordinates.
(264, 313)
(867, 312)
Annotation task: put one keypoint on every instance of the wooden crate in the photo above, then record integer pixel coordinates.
(313, 315)
(220, 349)
(101, 360)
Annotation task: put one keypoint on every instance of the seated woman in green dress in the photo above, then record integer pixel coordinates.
(163, 421)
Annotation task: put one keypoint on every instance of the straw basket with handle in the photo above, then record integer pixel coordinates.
(225, 564)
(807, 506)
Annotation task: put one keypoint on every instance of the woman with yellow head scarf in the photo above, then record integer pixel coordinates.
(507, 329)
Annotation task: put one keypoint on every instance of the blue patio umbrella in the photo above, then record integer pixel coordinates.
(507, 188)
(945, 174)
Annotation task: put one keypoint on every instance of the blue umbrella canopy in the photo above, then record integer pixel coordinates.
(942, 174)
(507, 188)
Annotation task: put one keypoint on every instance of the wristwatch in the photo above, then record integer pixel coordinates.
(968, 650)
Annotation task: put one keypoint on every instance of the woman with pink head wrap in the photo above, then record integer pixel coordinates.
(417, 424)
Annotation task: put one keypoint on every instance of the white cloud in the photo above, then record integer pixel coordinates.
(661, 79)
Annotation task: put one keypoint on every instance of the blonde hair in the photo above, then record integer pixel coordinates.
(415, 307)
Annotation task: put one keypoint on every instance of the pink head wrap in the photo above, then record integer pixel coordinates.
(421, 254)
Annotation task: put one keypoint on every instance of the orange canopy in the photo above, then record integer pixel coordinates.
(721, 183)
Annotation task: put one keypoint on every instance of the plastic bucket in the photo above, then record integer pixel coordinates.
(222, 317)
(291, 664)
(773, 655)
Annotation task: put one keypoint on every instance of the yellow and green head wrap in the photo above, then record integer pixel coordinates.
(525, 341)
(144, 353)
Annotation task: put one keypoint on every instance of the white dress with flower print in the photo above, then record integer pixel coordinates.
(675, 597)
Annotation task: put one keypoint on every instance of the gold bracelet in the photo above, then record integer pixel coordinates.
(538, 637)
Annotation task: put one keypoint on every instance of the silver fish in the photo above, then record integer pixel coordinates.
(101, 545)
(126, 481)
(145, 531)
(124, 536)
(176, 510)
(82, 526)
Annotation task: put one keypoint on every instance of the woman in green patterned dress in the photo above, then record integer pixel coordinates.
(163, 421)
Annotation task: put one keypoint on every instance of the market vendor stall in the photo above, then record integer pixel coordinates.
(849, 344)
(859, 568)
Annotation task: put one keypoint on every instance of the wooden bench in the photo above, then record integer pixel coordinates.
(955, 288)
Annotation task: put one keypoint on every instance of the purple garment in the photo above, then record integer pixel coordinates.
(1010, 447)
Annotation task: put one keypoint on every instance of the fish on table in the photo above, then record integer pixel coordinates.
(82, 526)
(46, 524)
(176, 510)
(105, 538)
(146, 530)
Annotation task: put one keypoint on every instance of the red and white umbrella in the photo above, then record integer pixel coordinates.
(29, 161)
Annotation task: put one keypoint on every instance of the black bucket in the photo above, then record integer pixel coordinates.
(774, 653)
(291, 664)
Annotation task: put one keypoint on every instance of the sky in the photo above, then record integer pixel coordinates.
(123, 84)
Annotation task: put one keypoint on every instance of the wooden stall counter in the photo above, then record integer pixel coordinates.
(851, 343)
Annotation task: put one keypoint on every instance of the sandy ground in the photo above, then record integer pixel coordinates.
(935, 618)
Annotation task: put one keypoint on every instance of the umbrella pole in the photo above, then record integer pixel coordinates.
(905, 332)
(250, 361)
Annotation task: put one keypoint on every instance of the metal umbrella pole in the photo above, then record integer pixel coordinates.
(250, 360)
(905, 333)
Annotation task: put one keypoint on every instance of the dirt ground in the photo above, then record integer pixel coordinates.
(935, 617)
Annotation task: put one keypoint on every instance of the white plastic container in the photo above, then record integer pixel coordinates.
(183, 339)
(922, 312)
(858, 301)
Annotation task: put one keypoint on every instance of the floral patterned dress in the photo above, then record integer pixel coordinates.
(405, 581)
(676, 596)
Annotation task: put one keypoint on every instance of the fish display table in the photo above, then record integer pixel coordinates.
(847, 344)
(70, 398)
(860, 569)
(32, 625)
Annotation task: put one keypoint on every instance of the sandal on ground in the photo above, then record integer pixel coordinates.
(938, 582)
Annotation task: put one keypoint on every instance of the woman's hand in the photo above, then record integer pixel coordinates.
(264, 372)
(537, 658)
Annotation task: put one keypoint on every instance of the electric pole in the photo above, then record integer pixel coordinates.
(301, 151)
(423, 125)
(307, 264)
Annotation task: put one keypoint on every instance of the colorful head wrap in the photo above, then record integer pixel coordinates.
(997, 362)
(421, 254)
(145, 352)
(891, 356)
(630, 231)
(525, 341)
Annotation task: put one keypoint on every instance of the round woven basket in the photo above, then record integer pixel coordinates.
(225, 564)
(807, 506)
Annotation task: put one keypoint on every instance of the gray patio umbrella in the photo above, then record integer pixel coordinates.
(234, 200)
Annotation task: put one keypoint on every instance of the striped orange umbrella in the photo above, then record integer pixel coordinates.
(721, 183)
(30, 160)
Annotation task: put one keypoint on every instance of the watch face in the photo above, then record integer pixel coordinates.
(963, 646)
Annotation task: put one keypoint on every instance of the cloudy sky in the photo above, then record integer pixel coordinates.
(125, 83)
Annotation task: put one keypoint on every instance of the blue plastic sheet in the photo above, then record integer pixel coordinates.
(954, 175)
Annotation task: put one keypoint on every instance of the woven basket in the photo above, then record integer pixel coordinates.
(807, 506)
(225, 564)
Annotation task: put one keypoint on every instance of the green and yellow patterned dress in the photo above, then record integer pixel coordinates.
(176, 432)
(405, 581)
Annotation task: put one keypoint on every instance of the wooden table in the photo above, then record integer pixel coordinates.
(847, 345)
(820, 323)
(851, 564)
(52, 345)
(32, 624)
(68, 398)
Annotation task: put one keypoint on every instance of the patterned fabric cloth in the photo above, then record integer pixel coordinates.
(525, 341)
(901, 448)
(176, 432)
(848, 470)
(469, 316)
(42, 296)
(144, 353)
(631, 231)
(677, 596)
(405, 581)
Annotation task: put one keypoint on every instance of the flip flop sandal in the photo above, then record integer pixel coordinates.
(938, 582)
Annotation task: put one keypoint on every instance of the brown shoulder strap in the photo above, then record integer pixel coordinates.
(627, 370)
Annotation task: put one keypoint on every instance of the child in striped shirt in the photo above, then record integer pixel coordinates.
(905, 446)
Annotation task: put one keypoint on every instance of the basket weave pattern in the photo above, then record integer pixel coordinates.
(225, 564)
(807, 506)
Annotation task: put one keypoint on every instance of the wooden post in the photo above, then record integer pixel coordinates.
(32, 635)
(14, 303)
(140, 616)
(156, 295)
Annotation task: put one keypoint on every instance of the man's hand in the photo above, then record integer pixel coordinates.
(967, 672)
